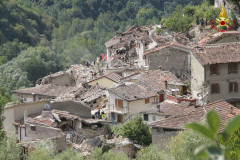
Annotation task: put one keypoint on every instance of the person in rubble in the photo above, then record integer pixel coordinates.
(103, 115)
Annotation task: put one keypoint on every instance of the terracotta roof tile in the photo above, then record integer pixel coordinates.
(133, 92)
(224, 53)
(178, 122)
(156, 79)
(167, 44)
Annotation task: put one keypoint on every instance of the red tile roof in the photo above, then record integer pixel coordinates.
(167, 44)
(178, 122)
(156, 79)
(133, 92)
(224, 111)
(224, 53)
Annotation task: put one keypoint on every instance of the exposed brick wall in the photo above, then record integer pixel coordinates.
(179, 100)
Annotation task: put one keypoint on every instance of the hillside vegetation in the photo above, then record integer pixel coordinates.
(38, 37)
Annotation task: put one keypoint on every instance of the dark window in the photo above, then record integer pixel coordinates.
(232, 68)
(233, 87)
(33, 128)
(145, 117)
(215, 88)
(147, 101)
(214, 69)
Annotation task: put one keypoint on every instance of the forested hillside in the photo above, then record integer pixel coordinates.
(38, 37)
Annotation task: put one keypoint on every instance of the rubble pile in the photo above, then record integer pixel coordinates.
(81, 73)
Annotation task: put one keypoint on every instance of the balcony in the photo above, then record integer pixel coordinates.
(120, 110)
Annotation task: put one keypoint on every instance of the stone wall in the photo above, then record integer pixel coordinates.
(170, 59)
(41, 132)
(223, 80)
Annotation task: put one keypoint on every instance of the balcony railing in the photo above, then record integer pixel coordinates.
(113, 108)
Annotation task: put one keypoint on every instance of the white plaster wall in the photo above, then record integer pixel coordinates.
(150, 118)
(138, 106)
(111, 99)
(197, 76)
(103, 82)
(15, 112)
(140, 52)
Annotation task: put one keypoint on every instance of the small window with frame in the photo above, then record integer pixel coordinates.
(33, 128)
(214, 69)
(233, 87)
(147, 101)
(145, 117)
(232, 68)
(215, 88)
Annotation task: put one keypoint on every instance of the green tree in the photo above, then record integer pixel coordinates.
(137, 131)
(215, 150)
(9, 150)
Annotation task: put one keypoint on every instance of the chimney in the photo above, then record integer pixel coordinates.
(25, 115)
(158, 108)
(166, 84)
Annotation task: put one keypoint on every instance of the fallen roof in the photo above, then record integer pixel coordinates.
(214, 54)
(93, 93)
(216, 36)
(156, 79)
(178, 122)
(47, 90)
(51, 118)
(132, 92)
(112, 76)
(166, 45)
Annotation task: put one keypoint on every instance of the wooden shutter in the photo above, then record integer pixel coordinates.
(161, 98)
(218, 88)
(229, 68)
(116, 102)
(230, 87)
(236, 87)
(236, 68)
(218, 70)
(121, 103)
(146, 101)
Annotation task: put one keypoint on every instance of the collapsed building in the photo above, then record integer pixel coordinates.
(126, 49)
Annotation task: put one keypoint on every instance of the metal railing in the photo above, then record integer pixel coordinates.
(113, 108)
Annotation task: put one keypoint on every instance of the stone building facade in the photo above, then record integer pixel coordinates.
(215, 72)
(173, 57)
